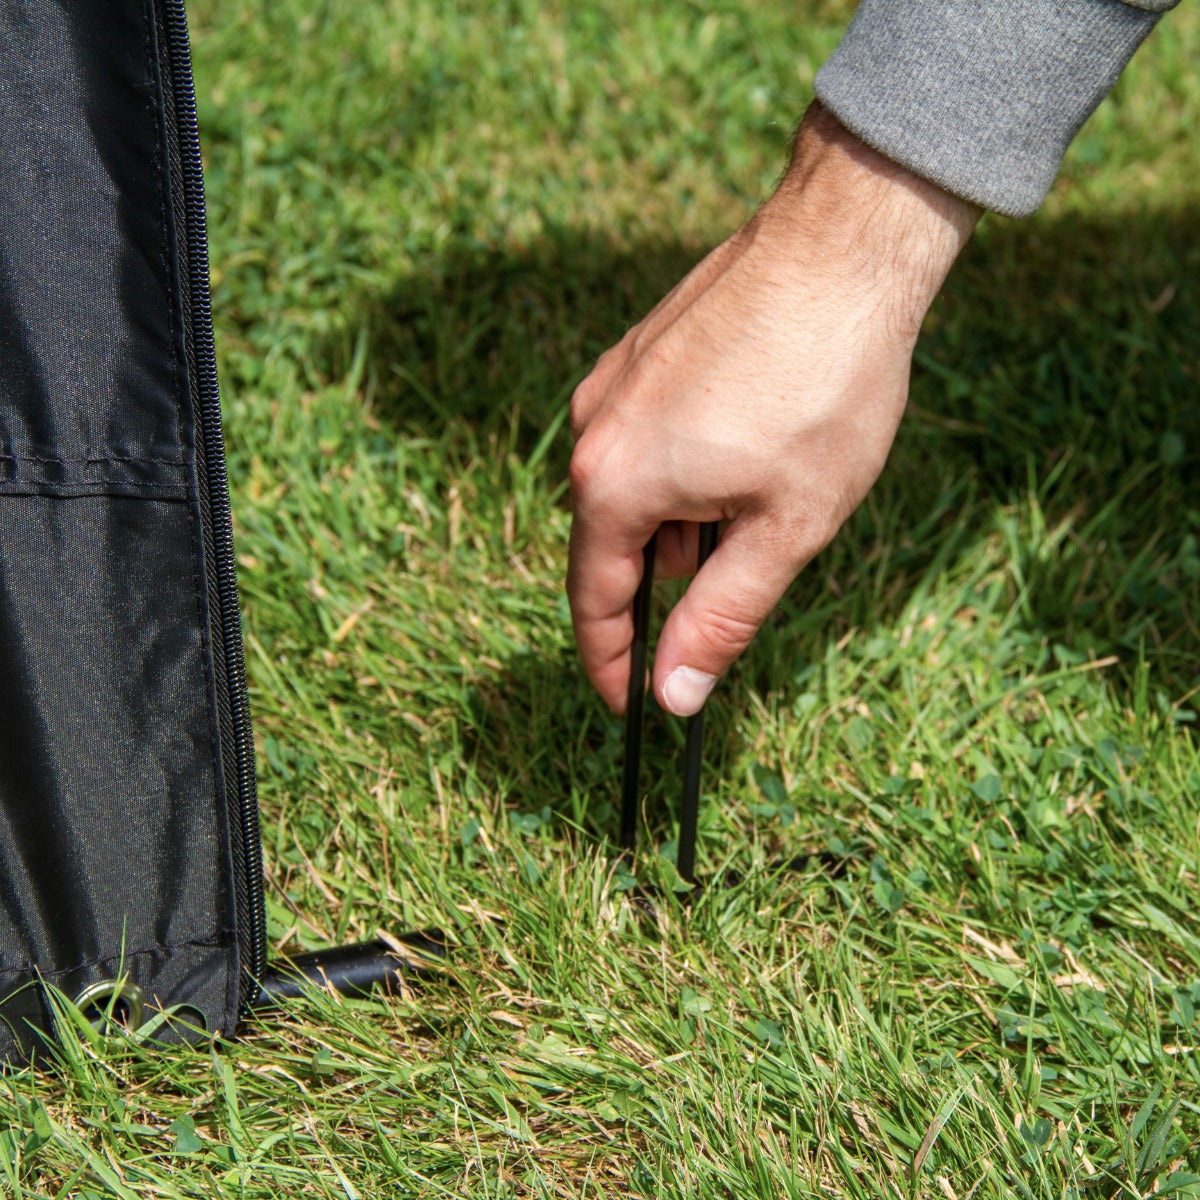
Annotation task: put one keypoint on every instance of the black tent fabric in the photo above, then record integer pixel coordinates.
(129, 858)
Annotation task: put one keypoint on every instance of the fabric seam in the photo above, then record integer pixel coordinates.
(101, 487)
(212, 941)
(226, 885)
(156, 110)
(107, 458)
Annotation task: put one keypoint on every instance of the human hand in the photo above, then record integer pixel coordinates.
(764, 391)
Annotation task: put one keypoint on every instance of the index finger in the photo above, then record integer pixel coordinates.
(604, 568)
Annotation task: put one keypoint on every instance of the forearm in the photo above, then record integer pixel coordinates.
(869, 222)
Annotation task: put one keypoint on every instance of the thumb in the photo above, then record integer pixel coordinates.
(721, 611)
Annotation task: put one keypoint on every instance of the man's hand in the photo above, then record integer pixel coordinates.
(764, 391)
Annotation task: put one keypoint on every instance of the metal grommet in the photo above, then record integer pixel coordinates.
(112, 1000)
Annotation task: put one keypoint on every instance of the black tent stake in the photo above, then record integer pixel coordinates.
(636, 701)
(635, 705)
(354, 970)
(689, 812)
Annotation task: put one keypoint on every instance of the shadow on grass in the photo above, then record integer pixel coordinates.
(483, 330)
(1062, 356)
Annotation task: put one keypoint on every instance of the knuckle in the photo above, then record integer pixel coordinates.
(587, 459)
(589, 394)
(608, 360)
(581, 407)
(725, 633)
(582, 469)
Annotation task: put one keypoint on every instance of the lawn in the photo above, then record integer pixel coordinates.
(972, 719)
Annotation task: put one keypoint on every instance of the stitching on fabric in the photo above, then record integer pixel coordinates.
(157, 113)
(184, 384)
(183, 393)
(213, 942)
(108, 458)
(173, 274)
(220, 784)
(100, 487)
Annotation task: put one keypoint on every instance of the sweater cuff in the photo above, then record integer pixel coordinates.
(981, 97)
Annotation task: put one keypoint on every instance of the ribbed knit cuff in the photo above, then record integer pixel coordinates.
(982, 97)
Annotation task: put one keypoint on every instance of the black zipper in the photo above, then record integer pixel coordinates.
(216, 516)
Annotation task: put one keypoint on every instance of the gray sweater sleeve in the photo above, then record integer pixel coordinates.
(981, 96)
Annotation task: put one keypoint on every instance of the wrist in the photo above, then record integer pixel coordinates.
(875, 227)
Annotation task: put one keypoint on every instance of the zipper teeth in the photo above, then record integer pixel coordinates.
(229, 614)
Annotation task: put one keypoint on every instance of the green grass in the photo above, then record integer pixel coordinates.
(974, 712)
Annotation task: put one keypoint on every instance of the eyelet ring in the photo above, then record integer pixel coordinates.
(112, 1001)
